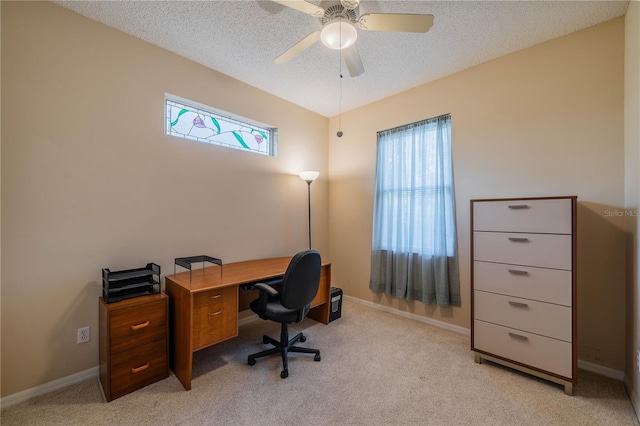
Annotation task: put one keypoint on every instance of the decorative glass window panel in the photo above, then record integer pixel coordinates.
(192, 120)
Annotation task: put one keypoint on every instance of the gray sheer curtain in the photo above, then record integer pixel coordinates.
(414, 253)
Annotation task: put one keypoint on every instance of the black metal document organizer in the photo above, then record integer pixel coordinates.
(187, 262)
(120, 285)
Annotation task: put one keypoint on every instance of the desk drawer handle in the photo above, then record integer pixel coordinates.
(518, 304)
(214, 313)
(217, 296)
(139, 326)
(518, 272)
(139, 369)
(518, 206)
(518, 239)
(518, 336)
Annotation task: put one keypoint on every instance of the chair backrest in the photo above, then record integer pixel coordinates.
(301, 280)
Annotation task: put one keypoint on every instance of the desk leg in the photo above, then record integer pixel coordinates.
(180, 354)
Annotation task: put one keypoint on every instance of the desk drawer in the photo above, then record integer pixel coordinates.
(544, 353)
(135, 368)
(215, 316)
(542, 250)
(546, 285)
(541, 318)
(549, 216)
(138, 325)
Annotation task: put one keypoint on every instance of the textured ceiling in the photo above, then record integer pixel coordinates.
(241, 38)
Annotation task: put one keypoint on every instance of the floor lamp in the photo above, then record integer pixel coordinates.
(309, 176)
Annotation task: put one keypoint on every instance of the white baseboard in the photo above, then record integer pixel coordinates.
(633, 397)
(594, 368)
(45, 388)
(441, 324)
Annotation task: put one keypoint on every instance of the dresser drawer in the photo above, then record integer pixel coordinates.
(546, 285)
(138, 367)
(137, 325)
(215, 316)
(544, 353)
(542, 250)
(551, 216)
(541, 318)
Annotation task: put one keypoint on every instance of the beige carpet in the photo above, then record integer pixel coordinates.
(376, 369)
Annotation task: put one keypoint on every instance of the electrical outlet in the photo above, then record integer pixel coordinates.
(84, 334)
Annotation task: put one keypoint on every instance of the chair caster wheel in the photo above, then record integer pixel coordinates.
(251, 361)
(284, 374)
(303, 339)
(316, 358)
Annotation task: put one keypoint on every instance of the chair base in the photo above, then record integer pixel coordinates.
(283, 347)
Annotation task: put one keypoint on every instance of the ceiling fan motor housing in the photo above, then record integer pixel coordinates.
(337, 11)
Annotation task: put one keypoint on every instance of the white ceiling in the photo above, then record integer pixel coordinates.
(241, 38)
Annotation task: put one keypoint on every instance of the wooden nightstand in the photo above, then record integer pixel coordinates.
(133, 344)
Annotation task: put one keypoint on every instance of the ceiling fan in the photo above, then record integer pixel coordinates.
(339, 22)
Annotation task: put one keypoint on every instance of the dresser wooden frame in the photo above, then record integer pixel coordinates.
(204, 305)
(523, 285)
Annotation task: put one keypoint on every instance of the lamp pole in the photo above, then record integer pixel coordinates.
(309, 177)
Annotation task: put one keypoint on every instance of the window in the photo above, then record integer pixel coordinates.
(191, 120)
(414, 249)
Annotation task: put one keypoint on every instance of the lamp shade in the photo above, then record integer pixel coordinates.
(309, 176)
(338, 34)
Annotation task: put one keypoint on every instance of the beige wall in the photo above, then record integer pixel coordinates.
(632, 193)
(89, 180)
(543, 121)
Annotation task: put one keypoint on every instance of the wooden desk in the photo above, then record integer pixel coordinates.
(204, 305)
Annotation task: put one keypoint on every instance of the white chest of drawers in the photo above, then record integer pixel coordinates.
(523, 285)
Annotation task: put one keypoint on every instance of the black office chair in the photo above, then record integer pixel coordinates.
(291, 304)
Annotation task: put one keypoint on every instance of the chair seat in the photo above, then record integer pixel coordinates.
(276, 312)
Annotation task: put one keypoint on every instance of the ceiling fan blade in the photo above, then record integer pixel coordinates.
(302, 6)
(353, 61)
(298, 48)
(396, 22)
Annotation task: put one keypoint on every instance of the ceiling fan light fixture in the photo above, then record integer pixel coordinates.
(338, 34)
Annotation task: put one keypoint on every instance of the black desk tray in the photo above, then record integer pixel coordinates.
(187, 262)
(125, 284)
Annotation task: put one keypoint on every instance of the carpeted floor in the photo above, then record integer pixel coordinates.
(376, 369)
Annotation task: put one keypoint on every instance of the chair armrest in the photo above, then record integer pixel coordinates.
(270, 291)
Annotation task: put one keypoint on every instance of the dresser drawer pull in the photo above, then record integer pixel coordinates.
(139, 369)
(518, 304)
(214, 313)
(518, 272)
(139, 326)
(518, 239)
(518, 206)
(217, 296)
(518, 336)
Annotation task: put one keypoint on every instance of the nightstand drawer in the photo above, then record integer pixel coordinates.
(542, 250)
(551, 216)
(546, 285)
(138, 325)
(215, 316)
(544, 353)
(138, 367)
(545, 319)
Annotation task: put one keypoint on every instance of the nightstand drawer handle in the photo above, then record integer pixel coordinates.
(518, 206)
(517, 336)
(518, 239)
(217, 296)
(518, 272)
(139, 326)
(139, 369)
(215, 313)
(518, 304)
